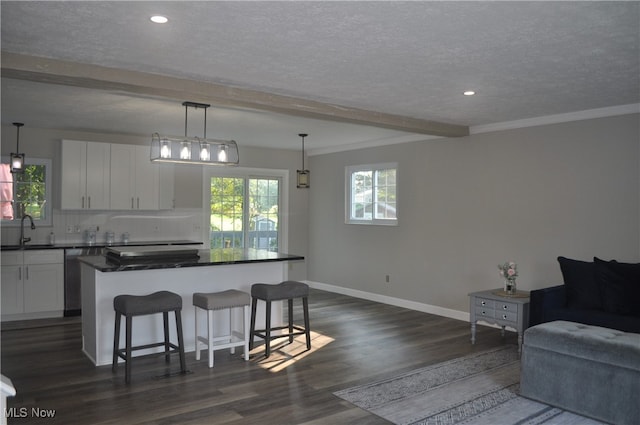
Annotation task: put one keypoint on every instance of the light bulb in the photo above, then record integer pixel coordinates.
(165, 149)
(185, 151)
(222, 153)
(204, 152)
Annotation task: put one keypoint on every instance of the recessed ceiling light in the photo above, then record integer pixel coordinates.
(469, 93)
(159, 19)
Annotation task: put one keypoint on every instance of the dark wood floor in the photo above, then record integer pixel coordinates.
(355, 342)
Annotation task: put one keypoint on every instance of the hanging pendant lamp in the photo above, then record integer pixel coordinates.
(194, 150)
(17, 159)
(303, 175)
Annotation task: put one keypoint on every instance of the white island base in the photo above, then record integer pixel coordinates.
(99, 289)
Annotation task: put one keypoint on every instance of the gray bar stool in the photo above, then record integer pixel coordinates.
(287, 290)
(140, 305)
(225, 300)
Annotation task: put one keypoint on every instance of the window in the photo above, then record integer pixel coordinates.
(372, 194)
(26, 193)
(245, 212)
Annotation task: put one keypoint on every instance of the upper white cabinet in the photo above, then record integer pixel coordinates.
(137, 183)
(85, 175)
(104, 176)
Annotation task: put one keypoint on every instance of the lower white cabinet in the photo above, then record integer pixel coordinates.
(32, 284)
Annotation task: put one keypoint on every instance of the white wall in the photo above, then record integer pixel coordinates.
(180, 223)
(468, 204)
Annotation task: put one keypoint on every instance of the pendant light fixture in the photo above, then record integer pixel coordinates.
(303, 175)
(194, 150)
(17, 159)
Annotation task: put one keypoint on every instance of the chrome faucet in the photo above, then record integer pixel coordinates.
(24, 240)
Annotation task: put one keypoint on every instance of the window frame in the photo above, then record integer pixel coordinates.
(247, 173)
(349, 171)
(48, 195)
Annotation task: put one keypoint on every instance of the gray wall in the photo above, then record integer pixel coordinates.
(468, 204)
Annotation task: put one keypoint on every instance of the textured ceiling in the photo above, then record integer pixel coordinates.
(413, 59)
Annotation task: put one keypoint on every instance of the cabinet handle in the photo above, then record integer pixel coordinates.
(132, 202)
(20, 273)
(483, 303)
(89, 202)
(504, 307)
(504, 316)
(83, 202)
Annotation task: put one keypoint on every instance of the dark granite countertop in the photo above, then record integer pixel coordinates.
(213, 257)
(80, 245)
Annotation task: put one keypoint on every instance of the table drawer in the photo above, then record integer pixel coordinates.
(506, 307)
(506, 316)
(484, 312)
(484, 303)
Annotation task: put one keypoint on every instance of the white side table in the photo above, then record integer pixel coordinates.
(498, 308)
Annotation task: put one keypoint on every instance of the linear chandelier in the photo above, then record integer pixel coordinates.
(194, 150)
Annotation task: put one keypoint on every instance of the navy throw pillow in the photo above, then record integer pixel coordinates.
(583, 291)
(620, 286)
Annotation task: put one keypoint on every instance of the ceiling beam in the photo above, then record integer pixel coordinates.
(54, 71)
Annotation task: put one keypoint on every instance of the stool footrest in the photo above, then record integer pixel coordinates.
(262, 333)
(174, 349)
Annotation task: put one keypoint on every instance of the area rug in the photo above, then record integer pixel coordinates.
(479, 389)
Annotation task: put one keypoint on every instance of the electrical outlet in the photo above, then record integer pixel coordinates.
(69, 229)
(387, 279)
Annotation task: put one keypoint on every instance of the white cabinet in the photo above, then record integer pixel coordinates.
(32, 284)
(85, 175)
(11, 291)
(136, 182)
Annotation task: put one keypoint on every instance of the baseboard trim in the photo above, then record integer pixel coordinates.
(385, 299)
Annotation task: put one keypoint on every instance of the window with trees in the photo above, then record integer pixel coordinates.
(245, 212)
(26, 193)
(372, 194)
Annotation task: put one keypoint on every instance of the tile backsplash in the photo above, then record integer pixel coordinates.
(70, 226)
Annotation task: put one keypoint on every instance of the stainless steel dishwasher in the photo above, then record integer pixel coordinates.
(72, 294)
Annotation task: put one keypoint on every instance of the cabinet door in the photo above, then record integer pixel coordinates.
(98, 176)
(146, 180)
(73, 175)
(11, 289)
(122, 177)
(43, 287)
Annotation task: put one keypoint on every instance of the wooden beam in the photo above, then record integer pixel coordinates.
(54, 71)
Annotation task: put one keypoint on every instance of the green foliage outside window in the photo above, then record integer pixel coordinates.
(228, 222)
(30, 192)
(24, 193)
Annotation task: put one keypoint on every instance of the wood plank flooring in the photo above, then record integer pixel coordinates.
(355, 341)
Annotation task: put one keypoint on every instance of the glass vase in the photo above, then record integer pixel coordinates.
(510, 286)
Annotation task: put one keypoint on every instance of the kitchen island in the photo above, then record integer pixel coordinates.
(210, 271)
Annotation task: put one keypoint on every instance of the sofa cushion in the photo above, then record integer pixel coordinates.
(595, 318)
(583, 291)
(619, 286)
